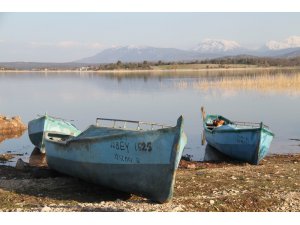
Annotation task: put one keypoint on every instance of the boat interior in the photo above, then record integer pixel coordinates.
(55, 136)
(214, 121)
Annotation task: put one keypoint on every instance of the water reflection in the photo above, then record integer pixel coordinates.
(10, 135)
(147, 97)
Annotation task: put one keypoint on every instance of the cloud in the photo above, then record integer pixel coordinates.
(290, 42)
(39, 44)
(67, 44)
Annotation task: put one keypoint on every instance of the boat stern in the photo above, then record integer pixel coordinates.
(179, 143)
(182, 141)
(266, 138)
(36, 132)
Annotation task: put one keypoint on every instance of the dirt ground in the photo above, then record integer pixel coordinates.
(272, 186)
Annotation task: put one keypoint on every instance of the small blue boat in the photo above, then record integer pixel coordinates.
(45, 123)
(242, 141)
(134, 160)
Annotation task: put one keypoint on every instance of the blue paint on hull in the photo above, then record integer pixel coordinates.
(36, 139)
(243, 143)
(36, 131)
(265, 142)
(122, 177)
(141, 162)
(46, 123)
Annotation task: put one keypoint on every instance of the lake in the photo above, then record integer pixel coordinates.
(159, 97)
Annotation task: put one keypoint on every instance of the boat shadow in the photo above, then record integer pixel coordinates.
(214, 156)
(38, 181)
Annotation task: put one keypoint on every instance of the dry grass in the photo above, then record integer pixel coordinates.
(203, 66)
(264, 83)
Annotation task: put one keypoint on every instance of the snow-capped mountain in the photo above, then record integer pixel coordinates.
(287, 48)
(217, 46)
(290, 42)
(206, 49)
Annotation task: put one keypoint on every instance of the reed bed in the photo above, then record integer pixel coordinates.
(265, 83)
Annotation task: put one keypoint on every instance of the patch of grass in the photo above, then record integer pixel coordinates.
(263, 82)
(202, 66)
(260, 82)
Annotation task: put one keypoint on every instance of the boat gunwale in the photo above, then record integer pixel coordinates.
(73, 139)
(262, 128)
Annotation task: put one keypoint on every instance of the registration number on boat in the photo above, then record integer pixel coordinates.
(143, 146)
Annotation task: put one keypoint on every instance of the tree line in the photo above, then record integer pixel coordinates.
(250, 60)
(258, 61)
(148, 65)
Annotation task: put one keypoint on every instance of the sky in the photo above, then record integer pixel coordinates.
(64, 37)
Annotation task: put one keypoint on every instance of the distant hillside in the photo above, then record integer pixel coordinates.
(140, 54)
(130, 57)
(40, 65)
(206, 50)
(280, 53)
(254, 60)
(291, 54)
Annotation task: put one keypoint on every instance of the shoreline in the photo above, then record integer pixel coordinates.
(272, 186)
(154, 70)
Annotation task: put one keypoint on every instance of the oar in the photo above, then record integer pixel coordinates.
(203, 113)
(203, 138)
(203, 118)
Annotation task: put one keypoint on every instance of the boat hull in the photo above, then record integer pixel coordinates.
(126, 178)
(245, 144)
(38, 127)
(140, 162)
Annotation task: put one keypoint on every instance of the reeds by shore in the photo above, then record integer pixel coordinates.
(263, 82)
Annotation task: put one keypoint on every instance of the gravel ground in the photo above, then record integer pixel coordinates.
(272, 186)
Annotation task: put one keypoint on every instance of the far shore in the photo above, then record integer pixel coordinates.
(246, 68)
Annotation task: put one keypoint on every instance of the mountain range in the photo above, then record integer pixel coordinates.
(207, 49)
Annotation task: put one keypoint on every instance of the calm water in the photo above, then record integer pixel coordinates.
(84, 96)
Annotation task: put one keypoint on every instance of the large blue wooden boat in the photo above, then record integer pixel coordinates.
(134, 160)
(242, 141)
(37, 128)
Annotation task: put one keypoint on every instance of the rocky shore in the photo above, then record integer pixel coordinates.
(272, 186)
(11, 126)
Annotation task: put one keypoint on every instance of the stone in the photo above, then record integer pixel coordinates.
(46, 209)
(211, 202)
(178, 209)
(21, 165)
(191, 166)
